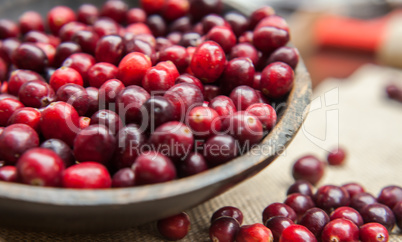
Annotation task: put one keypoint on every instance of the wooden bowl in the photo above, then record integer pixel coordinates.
(69, 210)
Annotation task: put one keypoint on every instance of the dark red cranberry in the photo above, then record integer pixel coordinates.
(175, 9)
(105, 26)
(223, 105)
(210, 92)
(228, 211)
(68, 30)
(36, 94)
(277, 225)
(28, 116)
(74, 95)
(278, 209)
(49, 51)
(347, 213)
(94, 143)
(7, 107)
(299, 203)
(8, 29)
(161, 43)
(184, 97)
(208, 62)
(187, 78)
(109, 119)
(273, 21)
(133, 67)
(130, 141)
(193, 164)
(29, 56)
(8, 174)
(190, 39)
(109, 90)
(3, 74)
(267, 39)
(224, 229)
(353, 189)
(393, 92)
(257, 81)
(220, 149)
(174, 37)
(59, 16)
(129, 102)
(276, 80)
(87, 40)
(302, 187)
(138, 45)
(110, 49)
(244, 127)
(213, 20)
(61, 149)
(157, 25)
(153, 167)
(297, 233)
(31, 20)
(373, 232)
(93, 100)
(123, 178)
(245, 50)
(243, 97)
(342, 230)
(315, 220)
(336, 157)
(238, 22)
(238, 72)
(136, 15)
(260, 14)
(158, 79)
(65, 75)
(182, 25)
(360, 200)
(99, 73)
(254, 232)
(115, 9)
(398, 214)
(156, 111)
(265, 113)
(8, 47)
(177, 54)
(80, 62)
(87, 14)
(175, 227)
(288, 55)
(15, 140)
(40, 167)
(379, 213)
(390, 195)
(36, 37)
(203, 121)
(87, 175)
(331, 197)
(308, 168)
(60, 121)
(152, 6)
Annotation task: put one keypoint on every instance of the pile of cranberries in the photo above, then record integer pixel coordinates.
(119, 96)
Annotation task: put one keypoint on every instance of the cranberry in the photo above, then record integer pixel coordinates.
(105, 26)
(80, 62)
(8, 29)
(360, 200)
(276, 80)
(49, 51)
(60, 121)
(65, 75)
(139, 29)
(99, 73)
(398, 214)
(59, 16)
(347, 213)
(137, 45)
(278, 209)
(211, 91)
(184, 97)
(287, 55)
(228, 211)
(260, 14)
(31, 20)
(37, 37)
(299, 203)
(129, 102)
(379, 213)
(68, 30)
(190, 39)
(156, 111)
(7, 107)
(133, 67)
(136, 15)
(265, 113)
(108, 118)
(29, 56)
(8, 174)
(302, 187)
(3, 74)
(130, 141)
(187, 78)
(175, 9)
(174, 227)
(123, 178)
(152, 6)
(254, 232)
(238, 72)
(74, 95)
(193, 164)
(308, 168)
(297, 233)
(268, 39)
(157, 25)
(153, 167)
(224, 229)
(28, 116)
(86, 39)
(8, 47)
(243, 97)
(224, 36)
(161, 43)
(87, 14)
(353, 189)
(182, 25)
(203, 121)
(277, 225)
(87, 175)
(336, 157)
(390, 196)
(223, 105)
(115, 9)
(93, 100)
(177, 54)
(110, 49)
(315, 220)
(109, 90)
(94, 143)
(244, 127)
(219, 149)
(238, 22)
(245, 50)
(340, 230)
(246, 37)
(61, 149)
(373, 232)
(331, 197)
(19, 77)
(157, 80)
(208, 62)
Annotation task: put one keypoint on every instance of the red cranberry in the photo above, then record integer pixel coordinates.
(177, 54)
(87, 175)
(238, 72)
(161, 43)
(40, 167)
(228, 211)
(139, 29)
(308, 168)
(182, 25)
(19, 77)
(223, 105)
(193, 164)
(373, 232)
(29, 56)
(87, 14)
(61, 149)
(267, 39)
(353, 189)
(276, 80)
(36, 94)
(220, 149)
(360, 200)
(136, 15)
(170, 67)
(187, 78)
(80, 62)
(137, 45)
(190, 39)
(130, 142)
(238, 22)
(152, 6)
(31, 20)
(244, 127)
(213, 20)
(94, 143)
(175, 9)
(302, 187)
(123, 178)
(109, 90)
(157, 25)
(347, 213)
(108, 118)
(15, 140)
(156, 111)
(105, 26)
(37, 37)
(93, 100)
(65, 75)
(260, 14)
(224, 36)
(336, 157)
(203, 121)
(208, 62)
(133, 67)
(287, 55)
(110, 49)
(86, 39)
(297, 233)
(254, 232)
(265, 113)
(174, 227)
(68, 30)
(74, 95)
(277, 225)
(99, 73)
(49, 51)
(245, 50)
(379, 213)
(8, 29)
(278, 209)
(153, 167)
(60, 121)
(115, 9)
(8, 47)
(211, 91)
(243, 97)
(28, 116)
(157, 80)
(390, 196)
(315, 220)
(8, 174)
(299, 203)
(59, 16)
(3, 74)
(184, 97)
(224, 229)
(398, 214)
(129, 102)
(7, 107)
(340, 230)
(331, 197)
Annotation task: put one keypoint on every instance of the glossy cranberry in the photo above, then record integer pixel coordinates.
(109, 119)
(331, 197)
(342, 230)
(86, 39)
(212, 20)
(61, 149)
(157, 80)
(105, 26)
(130, 141)
(243, 97)
(65, 75)
(398, 214)
(93, 100)
(8, 29)
(3, 73)
(156, 111)
(223, 105)
(37, 37)
(244, 127)
(245, 50)
(379, 213)
(254, 232)
(87, 175)
(28, 116)
(187, 78)
(390, 196)
(49, 51)
(265, 113)
(238, 72)
(136, 15)
(133, 67)
(177, 54)
(115, 9)
(60, 121)
(297, 233)
(278, 209)
(7, 107)
(302, 187)
(228, 211)
(336, 157)
(353, 189)
(204, 122)
(238, 22)
(74, 95)
(109, 90)
(161, 43)
(8, 47)
(175, 9)
(87, 14)
(276, 80)
(277, 225)
(68, 30)
(373, 232)
(224, 229)
(157, 25)
(211, 91)
(31, 20)
(184, 97)
(29, 56)
(267, 39)
(123, 178)
(224, 36)
(219, 149)
(308, 168)
(138, 29)
(360, 200)
(347, 213)
(110, 49)
(175, 227)
(273, 21)
(152, 6)
(59, 16)
(80, 62)
(15, 140)
(288, 55)
(36, 94)
(129, 102)
(133, 44)
(153, 167)
(315, 220)
(99, 73)
(8, 174)
(193, 164)
(260, 14)
(299, 203)
(190, 39)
